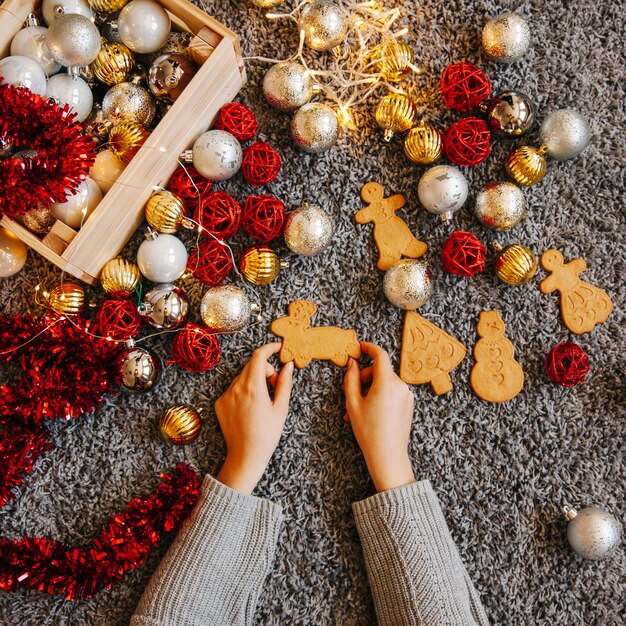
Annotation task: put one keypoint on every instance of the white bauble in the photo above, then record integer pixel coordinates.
(64, 89)
(51, 9)
(162, 258)
(217, 155)
(106, 170)
(23, 72)
(12, 254)
(30, 42)
(144, 26)
(442, 190)
(78, 207)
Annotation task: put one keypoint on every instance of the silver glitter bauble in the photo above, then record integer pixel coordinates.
(500, 205)
(288, 86)
(169, 74)
(217, 155)
(324, 23)
(593, 533)
(127, 102)
(408, 284)
(39, 220)
(165, 306)
(565, 133)
(137, 370)
(73, 40)
(506, 38)
(510, 114)
(315, 127)
(308, 230)
(442, 190)
(226, 309)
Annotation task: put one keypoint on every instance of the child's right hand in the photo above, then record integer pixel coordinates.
(381, 418)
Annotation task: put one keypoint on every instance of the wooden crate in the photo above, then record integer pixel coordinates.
(121, 211)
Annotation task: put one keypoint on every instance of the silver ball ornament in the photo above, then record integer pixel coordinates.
(565, 133)
(52, 9)
(308, 230)
(443, 190)
(73, 40)
(137, 370)
(226, 309)
(324, 23)
(169, 74)
(217, 155)
(31, 42)
(288, 85)
(165, 306)
(315, 127)
(506, 38)
(408, 284)
(593, 533)
(510, 114)
(500, 205)
(128, 102)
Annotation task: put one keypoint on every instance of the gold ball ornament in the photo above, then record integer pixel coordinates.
(127, 102)
(165, 212)
(423, 144)
(395, 113)
(266, 4)
(119, 277)
(515, 264)
(39, 220)
(393, 60)
(125, 139)
(107, 6)
(114, 63)
(527, 165)
(180, 424)
(67, 299)
(260, 265)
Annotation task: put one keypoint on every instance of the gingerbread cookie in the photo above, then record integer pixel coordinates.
(302, 344)
(393, 237)
(428, 354)
(496, 376)
(582, 305)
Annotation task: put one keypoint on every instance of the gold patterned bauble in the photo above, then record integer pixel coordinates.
(107, 6)
(527, 165)
(423, 144)
(114, 63)
(393, 60)
(67, 299)
(180, 424)
(515, 264)
(126, 138)
(260, 265)
(395, 113)
(119, 277)
(165, 212)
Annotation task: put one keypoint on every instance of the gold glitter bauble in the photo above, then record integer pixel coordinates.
(180, 424)
(395, 113)
(120, 277)
(67, 299)
(114, 63)
(515, 264)
(165, 212)
(393, 60)
(125, 139)
(260, 265)
(128, 102)
(39, 220)
(423, 144)
(527, 165)
(265, 4)
(107, 6)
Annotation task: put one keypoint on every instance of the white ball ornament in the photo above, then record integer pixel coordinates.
(31, 42)
(106, 170)
(217, 155)
(162, 258)
(12, 254)
(74, 91)
(51, 9)
(144, 26)
(593, 533)
(23, 72)
(443, 190)
(79, 206)
(565, 133)
(73, 40)
(408, 284)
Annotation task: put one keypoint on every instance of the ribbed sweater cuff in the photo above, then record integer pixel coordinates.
(400, 497)
(211, 487)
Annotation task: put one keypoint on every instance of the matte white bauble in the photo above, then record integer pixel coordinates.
(12, 254)
(30, 42)
(217, 155)
(162, 258)
(144, 26)
(51, 9)
(106, 170)
(64, 89)
(23, 72)
(442, 190)
(78, 207)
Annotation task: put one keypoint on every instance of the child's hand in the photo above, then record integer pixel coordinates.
(381, 418)
(250, 421)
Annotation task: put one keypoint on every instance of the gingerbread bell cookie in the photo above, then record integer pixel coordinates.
(303, 343)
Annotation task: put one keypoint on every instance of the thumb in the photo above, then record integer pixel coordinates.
(352, 384)
(284, 384)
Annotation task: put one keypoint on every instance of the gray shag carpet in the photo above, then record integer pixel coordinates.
(502, 472)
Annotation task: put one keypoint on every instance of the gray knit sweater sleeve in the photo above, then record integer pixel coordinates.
(414, 568)
(214, 571)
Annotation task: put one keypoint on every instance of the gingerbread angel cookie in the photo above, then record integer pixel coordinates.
(393, 237)
(582, 305)
(496, 376)
(302, 344)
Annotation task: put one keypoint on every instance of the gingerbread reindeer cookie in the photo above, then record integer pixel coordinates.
(393, 237)
(582, 305)
(302, 344)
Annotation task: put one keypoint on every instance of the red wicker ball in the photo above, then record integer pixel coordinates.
(189, 185)
(567, 364)
(464, 86)
(218, 213)
(118, 319)
(260, 164)
(463, 254)
(467, 142)
(263, 217)
(195, 349)
(238, 120)
(210, 262)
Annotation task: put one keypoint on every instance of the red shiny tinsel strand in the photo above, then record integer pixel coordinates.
(464, 86)
(119, 319)
(263, 217)
(219, 213)
(463, 254)
(261, 164)
(80, 572)
(567, 364)
(195, 349)
(238, 120)
(467, 142)
(189, 185)
(210, 262)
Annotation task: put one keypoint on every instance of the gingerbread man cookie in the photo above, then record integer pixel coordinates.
(302, 344)
(582, 305)
(393, 237)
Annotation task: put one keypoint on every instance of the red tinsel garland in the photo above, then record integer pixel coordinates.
(464, 86)
(47, 565)
(210, 262)
(238, 120)
(263, 217)
(219, 213)
(261, 164)
(189, 185)
(467, 142)
(195, 349)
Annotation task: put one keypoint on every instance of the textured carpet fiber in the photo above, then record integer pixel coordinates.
(502, 472)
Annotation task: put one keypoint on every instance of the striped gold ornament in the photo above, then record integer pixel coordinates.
(126, 138)
(114, 63)
(393, 60)
(260, 265)
(119, 277)
(67, 299)
(527, 165)
(107, 6)
(165, 212)
(515, 264)
(395, 113)
(423, 144)
(180, 424)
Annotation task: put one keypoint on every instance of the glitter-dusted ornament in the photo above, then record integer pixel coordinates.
(162, 258)
(73, 41)
(165, 212)
(510, 114)
(169, 74)
(39, 220)
(442, 190)
(527, 165)
(324, 23)
(288, 85)
(565, 133)
(393, 60)
(315, 127)
(506, 38)
(216, 154)
(180, 424)
(515, 264)
(78, 206)
(500, 205)
(125, 140)
(144, 26)
(260, 265)
(226, 309)
(73, 91)
(423, 144)
(23, 72)
(31, 42)
(119, 277)
(165, 306)
(114, 63)
(463, 254)
(593, 533)
(266, 4)
(108, 6)
(106, 170)
(127, 102)
(137, 370)
(67, 299)
(308, 230)
(13, 254)
(52, 9)
(395, 113)
(567, 364)
(408, 284)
